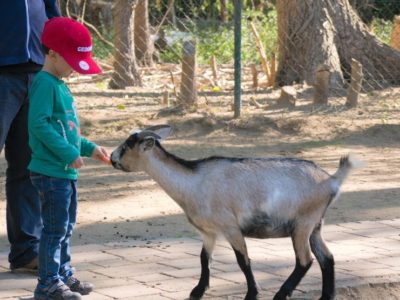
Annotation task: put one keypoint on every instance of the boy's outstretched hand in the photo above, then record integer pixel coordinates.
(101, 154)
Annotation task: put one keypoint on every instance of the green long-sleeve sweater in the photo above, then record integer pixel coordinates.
(54, 130)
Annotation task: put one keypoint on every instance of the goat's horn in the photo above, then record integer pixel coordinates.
(145, 133)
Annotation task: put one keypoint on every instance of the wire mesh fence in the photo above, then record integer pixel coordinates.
(185, 49)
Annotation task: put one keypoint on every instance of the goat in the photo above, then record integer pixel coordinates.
(244, 197)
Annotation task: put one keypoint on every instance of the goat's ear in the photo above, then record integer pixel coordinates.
(163, 131)
(147, 143)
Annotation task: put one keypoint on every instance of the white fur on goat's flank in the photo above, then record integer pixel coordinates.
(238, 197)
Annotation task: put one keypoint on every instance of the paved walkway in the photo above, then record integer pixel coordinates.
(365, 252)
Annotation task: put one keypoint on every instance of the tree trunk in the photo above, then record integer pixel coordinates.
(171, 13)
(99, 14)
(223, 11)
(306, 41)
(188, 94)
(125, 66)
(69, 7)
(329, 32)
(86, 14)
(144, 48)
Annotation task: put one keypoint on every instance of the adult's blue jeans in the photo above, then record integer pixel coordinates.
(59, 207)
(23, 205)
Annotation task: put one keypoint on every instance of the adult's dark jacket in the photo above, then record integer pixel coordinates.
(21, 25)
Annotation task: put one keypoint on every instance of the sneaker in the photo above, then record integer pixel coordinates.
(31, 267)
(82, 287)
(58, 291)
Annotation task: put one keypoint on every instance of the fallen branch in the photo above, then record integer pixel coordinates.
(173, 84)
(261, 51)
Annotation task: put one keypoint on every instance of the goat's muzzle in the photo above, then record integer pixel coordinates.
(115, 163)
(118, 166)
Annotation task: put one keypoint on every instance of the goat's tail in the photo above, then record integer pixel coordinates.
(346, 164)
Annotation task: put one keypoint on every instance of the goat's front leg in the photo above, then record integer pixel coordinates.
(205, 257)
(239, 247)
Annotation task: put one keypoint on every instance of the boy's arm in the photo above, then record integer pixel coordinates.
(87, 147)
(52, 9)
(90, 149)
(40, 112)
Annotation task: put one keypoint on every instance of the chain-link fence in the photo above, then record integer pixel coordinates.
(185, 49)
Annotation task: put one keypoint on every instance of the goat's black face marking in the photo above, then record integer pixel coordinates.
(131, 141)
(118, 154)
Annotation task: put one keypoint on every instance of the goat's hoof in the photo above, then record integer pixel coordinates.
(280, 296)
(326, 297)
(194, 297)
(198, 292)
(251, 296)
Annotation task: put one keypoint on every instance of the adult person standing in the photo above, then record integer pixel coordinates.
(21, 57)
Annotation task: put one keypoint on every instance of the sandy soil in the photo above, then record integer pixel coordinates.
(116, 205)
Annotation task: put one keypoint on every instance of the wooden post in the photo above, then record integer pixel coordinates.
(165, 98)
(288, 96)
(254, 72)
(356, 83)
(188, 94)
(214, 69)
(173, 84)
(223, 11)
(272, 78)
(261, 51)
(321, 86)
(395, 37)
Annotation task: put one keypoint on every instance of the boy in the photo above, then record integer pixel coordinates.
(57, 147)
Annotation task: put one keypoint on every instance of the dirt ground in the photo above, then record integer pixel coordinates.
(118, 206)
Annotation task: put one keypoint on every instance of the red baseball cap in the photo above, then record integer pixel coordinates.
(72, 41)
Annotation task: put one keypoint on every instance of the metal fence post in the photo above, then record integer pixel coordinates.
(237, 56)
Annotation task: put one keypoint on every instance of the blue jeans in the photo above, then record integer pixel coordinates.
(23, 205)
(59, 208)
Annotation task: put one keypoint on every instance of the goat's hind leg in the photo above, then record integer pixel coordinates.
(239, 247)
(326, 262)
(301, 246)
(205, 257)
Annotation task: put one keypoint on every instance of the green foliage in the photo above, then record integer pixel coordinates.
(372, 9)
(101, 50)
(382, 29)
(267, 28)
(212, 39)
(217, 39)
